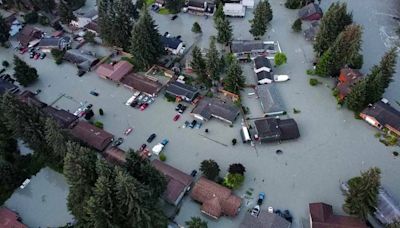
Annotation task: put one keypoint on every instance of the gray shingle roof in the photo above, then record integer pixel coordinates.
(273, 129)
(385, 114)
(240, 46)
(212, 107)
(170, 42)
(180, 89)
(264, 220)
(262, 61)
(271, 102)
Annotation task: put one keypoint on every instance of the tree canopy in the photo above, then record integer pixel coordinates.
(24, 74)
(210, 169)
(262, 15)
(234, 80)
(196, 222)
(4, 31)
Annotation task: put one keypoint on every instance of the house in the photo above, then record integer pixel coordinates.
(263, 70)
(311, 33)
(248, 49)
(84, 18)
(275, 130)
(264, 220)
(173, 45)
(115, 155)
(201, 7)
(178, 182)
(141, 83)
(234, 10)
(63, 118)
(29, 36)
(46, 44)
(270, 100)
(321, 216)
(93, 27)
(216, 200)
(248, 3)
(114, 72)
(92, 135)
(7, 87)
(347, 79)
(310, 12)
(30, 99)
(382, 115)
(10, 219)
(183, 91)
(84, 61)
(212, 107)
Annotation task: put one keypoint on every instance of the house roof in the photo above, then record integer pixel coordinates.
(83, 60)
(28, 34)
(309, 10)
(239, 46)
(180, 89)
(170, 42)
(212, 107)
(30, 98)
(92, 26)
(264, 75)
(141, 83)
(274, 129)
(322, 217)
(384, 113)
(200, 3)
(115, 72)
(92, 135)
(115, 155)
(54, 42)
(264, 220)
(178, 181)
(262, 61)
(216, 199)
(348, 77)
(388, 210)
(9, 219)
(63, 118)
(270, 99)
(6, 86)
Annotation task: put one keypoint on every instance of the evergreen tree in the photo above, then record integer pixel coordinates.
(45, 5)
(146, 46)
(196, 27)
(4, 31)
(219, 13)
(8, 175)
(332, 24)
(355, 100)
(388, 67)
(269, 14)
(56, 140)
(260, 20)
(124, 14)
(196, 222)
(105, 20)
(297, 25)
(76, 4)
(66, 13)
(362, 196)
(199, 66)
(234, 79)
(342, 51)
(80, 172)
(174, 6)
(210, 169)
(212, 63)
(225, 32)
(24, 74)
(296, 4)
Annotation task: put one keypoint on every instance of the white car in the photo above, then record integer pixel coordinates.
(281, 78)
(157, 148)
(255, 211)
(25, 183)
(130, 100)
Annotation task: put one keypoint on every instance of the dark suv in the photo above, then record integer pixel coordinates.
(151, 138)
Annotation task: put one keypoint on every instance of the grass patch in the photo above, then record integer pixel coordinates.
(164, 11)
(310, 72)
(378, 135)
(314, 82)
(249, 193)
(150, 2)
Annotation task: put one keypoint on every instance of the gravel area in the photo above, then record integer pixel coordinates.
(333, 145)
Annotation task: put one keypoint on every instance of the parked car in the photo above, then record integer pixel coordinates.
(140, 97)
(193, 123)
(128, 131)
(118, 142)
(144, 106)
(164, 142)
(151, 101)
(23, 50)
(174, 17)
(37, 55)
(25, 183)
(38, 91)
(31, 55)
(178, 107)
(198, 125)
(261, 197)
(142, 146)
(159, 147)
(81, 73)
(130, 100)
(286, 215)
(43, 55)
(134, 104)
(94, 93)
(182, 109)
(256, 211)
(145, 99)
(193, 173)
(186, 124)
(151, 138)
(176, 117)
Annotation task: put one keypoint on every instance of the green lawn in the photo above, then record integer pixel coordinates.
(164, 11)
(150, 2)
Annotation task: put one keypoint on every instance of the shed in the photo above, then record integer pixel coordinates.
(234, 10)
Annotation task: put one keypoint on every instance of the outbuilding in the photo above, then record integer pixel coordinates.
(310, 12)
(234, 10)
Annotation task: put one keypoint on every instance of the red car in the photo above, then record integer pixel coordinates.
(23, 50)
(176, 117)
(37, 55)
(144, 106)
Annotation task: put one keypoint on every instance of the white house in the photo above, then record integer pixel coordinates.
(84, 18)
(234, 10)
(173, 45)
(248, 3)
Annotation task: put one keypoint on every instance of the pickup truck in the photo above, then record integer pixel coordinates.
(159, 147)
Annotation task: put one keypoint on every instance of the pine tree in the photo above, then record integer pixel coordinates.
(4, 31)
(356, 99)
(199, 65)
(362, 196)
(224, 29)
(196, 27)
(260, 20)
(24, 74)
(219, 13)
(332, 24)
(234, 79)
(174, 6)
(297, 25)
(56, 140)
(45, 5)
(269, 14)
(388, 67)
(342, 51)
(124, 14)
(66, 13)
(146, 46)
(212, 63)
(296, 4)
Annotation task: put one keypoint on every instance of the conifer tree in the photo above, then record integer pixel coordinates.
(24, 74)
(4, 31)
(198, 65)
(269, 14)
(260, 20)
(66, 12)
(212, 63)
(224, 29)
(234, 79)
(356, 99)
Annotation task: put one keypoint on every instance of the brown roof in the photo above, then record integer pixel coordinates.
(141, 83)
(115, 155)
(29, 98)
(27, 34)
(114, 72)
(322, 217)
(348, 77)
(264, 220)
(9, 219)
(63, 118)
(91, 135)
(216, 199)
(92, 26)
(178, 181)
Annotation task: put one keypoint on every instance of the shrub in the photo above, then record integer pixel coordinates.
(310, 72)
(357, 62)
(314, 81)
(101, 112)
(297, 25)
(98, 124)
(234, 141)
(395, 153)
(170, 98)
(163, 157)
(233, 181)
(43, 20)
(196, 28)
(378, 135)
(58, 55)
(210, 94)
(5, 64)
(280, 59)
(296, 111)
(31, 18)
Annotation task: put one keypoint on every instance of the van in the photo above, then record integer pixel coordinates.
(245, 134)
